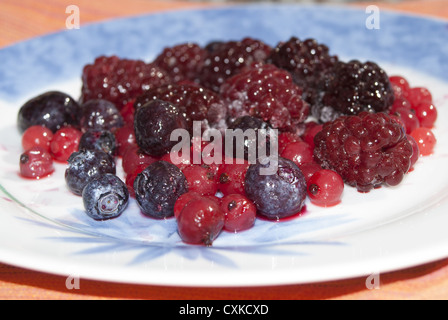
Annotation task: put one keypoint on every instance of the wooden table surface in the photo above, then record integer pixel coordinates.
(21, 20)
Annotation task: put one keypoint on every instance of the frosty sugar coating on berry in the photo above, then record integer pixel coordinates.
(105, 197)
(157, 188)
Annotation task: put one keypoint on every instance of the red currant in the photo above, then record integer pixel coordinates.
(183, 200)
(201, 180)
(426, 113)
(425, 139)
(325, 188)
(240, 212)
(200, 221)
(399, 84)
(418, 95)
(134, 159)
(231, 177)
(65, 141)
(309, 168)
(125, 137)
(37, 136)
(408, 118)
(298, 152)
(310, 132)
(36, 163)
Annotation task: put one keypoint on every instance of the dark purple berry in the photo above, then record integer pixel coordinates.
(84, 165)
(105, 197)
(276, 195)
(100, 114)
(157, 188)
(351, 88)
(52, 109)
(154, 122)
(94, 139)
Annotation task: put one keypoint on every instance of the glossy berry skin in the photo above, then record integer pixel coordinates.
(39, 136)
(103, 140)
(367, 150)
(232, 177)
(52, 109)
(200, 222)
(100, 114)
(158, 187)
(154, 122)
(183, 200)
(125, 137)
(36, 163)
(105, 197)
(325, 188)
(426, 114)
(85, 165)
(65, 141)
(201, 180)
(135, 160)
(425, 139)
(299, 152)
(277, 195)
(240, 212)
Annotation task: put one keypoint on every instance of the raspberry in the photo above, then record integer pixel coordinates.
(120, 80)
(182, 62)
(226, 59)
(267, 92)
(306, 61)
(367, 150)
(198, 103)
(352, 87)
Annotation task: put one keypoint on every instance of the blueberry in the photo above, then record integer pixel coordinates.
(52, 109)
(100, 114)
(84, 165)
(157, 188)
(105, 197)
(96, 139)
(154, 122)
(276, 195)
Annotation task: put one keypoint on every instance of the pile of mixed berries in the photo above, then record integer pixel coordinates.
(339, 123)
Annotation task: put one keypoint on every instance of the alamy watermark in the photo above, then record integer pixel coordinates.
(240, 146)
(373, 19)
(73, 20)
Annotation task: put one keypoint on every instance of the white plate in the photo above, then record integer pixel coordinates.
(43, 226)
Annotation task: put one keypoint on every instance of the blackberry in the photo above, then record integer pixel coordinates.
(182, 62)
(225, 59)
(367, 150)
(306, 61)
(105, 197)
(277, 195)
(157, 188)
(352, 87)
(196, 102)
(52, 109)
(120, 80)
(84, 165)
(266, 92)
(153, 124)
(100, 114)
(103, 140)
